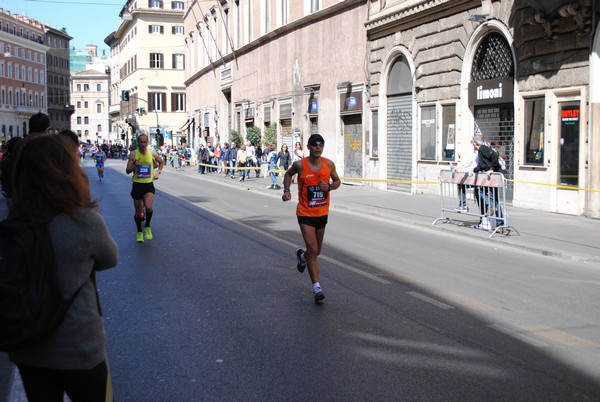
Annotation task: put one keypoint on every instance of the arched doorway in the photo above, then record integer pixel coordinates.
(491, 95)
(399, 125)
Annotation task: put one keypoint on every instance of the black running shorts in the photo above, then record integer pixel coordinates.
(318, 222)
(138, 190)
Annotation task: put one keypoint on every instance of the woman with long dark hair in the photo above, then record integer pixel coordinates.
(50, 188)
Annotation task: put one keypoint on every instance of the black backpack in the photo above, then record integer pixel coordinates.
(31, 303)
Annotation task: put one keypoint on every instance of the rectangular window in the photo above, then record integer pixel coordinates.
(98, 87)
(156, 60)
(177, 5)
(569, 143)
(86, 105)
(266, 16)
(249, 21)
(86, 87)
(78, 87)
(428, 133)
(178, 61)
(448, 132)
(314, 6)
(534, 131)
(156, 29)
(98, 107)
(78, 119)
(78, 104)
(177, 30)
(375, 135)
(177, 102)
(157, 101)
(86, 120)
(155, 3)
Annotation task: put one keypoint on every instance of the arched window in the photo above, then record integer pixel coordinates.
(493, 59)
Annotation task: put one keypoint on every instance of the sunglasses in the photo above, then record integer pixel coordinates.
(317, 144)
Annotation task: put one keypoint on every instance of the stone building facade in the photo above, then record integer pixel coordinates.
(399, 87)
(58, 80)
(520, 72)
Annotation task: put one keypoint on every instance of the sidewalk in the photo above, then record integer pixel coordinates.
(570, 237)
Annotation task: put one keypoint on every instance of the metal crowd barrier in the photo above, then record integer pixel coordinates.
(476, 195)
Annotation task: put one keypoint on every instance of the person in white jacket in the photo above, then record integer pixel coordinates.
(466, 166)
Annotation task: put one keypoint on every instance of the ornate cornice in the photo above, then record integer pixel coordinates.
(415, 14)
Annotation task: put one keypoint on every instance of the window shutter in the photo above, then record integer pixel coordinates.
(149, 3)
(173, 101)
(150, 28)
(162, 29)
(150, 101)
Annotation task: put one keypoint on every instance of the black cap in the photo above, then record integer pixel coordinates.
(315, 138)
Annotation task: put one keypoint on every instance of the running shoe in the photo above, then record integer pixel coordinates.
(318, 293)
(301, 264)
(140, 237)
(148, 233)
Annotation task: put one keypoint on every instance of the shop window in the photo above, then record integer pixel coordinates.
(428, 133)
(448, 132)
(534, 131)
(569, 143)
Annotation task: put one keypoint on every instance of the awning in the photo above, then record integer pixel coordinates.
(186, 124)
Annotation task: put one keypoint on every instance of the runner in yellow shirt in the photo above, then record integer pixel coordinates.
(142, 163)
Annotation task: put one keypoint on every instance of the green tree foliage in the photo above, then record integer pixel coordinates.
(234, 136)
(271, 135)
(253, 135)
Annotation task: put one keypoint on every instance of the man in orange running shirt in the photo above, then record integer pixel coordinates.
(316, 178)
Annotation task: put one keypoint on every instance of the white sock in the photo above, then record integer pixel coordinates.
(316, 286)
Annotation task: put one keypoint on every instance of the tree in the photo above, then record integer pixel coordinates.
(234, 136)
(253, 135)
(271, 135)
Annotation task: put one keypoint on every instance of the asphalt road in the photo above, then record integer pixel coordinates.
(213, 308)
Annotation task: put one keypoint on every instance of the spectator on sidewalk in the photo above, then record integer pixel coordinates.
(233, 156)
(242, 161)
(225, 154)
(202, 159)
(217, 159)
(73, 358)
(466, 166)
(284, 158)
(273, 168)
(488, 197)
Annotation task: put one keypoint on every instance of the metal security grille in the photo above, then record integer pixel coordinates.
(353, 145)
(497, 124)
(493, 59)
(399, 141)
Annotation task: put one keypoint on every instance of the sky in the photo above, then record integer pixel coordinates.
(87, 21)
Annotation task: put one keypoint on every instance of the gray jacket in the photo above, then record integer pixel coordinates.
(81, 244)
